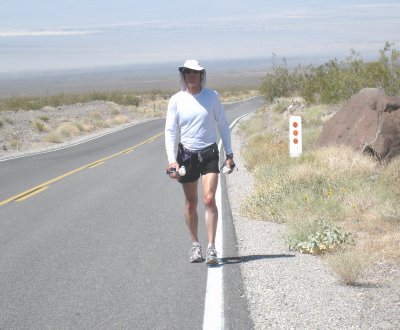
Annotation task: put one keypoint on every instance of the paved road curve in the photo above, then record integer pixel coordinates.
(92, 237)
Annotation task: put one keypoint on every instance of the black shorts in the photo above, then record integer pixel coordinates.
(198, 162)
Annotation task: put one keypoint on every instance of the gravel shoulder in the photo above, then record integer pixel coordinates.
(289, 290)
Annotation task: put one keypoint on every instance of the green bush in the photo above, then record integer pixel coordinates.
(335, 80)
(280, 82)
(325, 237)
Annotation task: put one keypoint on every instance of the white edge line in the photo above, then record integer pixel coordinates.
(214, 301)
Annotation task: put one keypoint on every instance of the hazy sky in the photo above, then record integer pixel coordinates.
(66, 34)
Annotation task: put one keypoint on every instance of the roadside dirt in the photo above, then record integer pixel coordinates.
(28, 131)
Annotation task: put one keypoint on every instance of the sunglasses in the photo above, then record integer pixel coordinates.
(190, 71)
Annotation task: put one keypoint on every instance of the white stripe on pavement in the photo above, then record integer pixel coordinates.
(214, 302)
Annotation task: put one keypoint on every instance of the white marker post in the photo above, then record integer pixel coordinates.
(295, 141)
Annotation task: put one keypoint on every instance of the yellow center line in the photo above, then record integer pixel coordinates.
(96, 164)
(30, 194)
(41, 187)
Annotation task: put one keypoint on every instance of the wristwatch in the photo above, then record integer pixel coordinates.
(229, 156)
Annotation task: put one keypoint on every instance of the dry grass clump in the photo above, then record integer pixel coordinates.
(118, 119)
(96, 115)
(390, 177)
(15, 143)
(152, 108)
(93, 121)
(54, 137)
(65, 130)
(40, 125)
(69, 129)
(329, 198)
(349, 264)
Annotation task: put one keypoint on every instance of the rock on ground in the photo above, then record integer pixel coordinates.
(368, 122)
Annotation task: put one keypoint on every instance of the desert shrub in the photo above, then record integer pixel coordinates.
(335, 80)
(118, 120)
(54, 137)
(281, 82)
(40, 125)
(69, 129)
(44, 118)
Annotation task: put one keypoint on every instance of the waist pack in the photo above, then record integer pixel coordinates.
(208, 154)
(185, 156)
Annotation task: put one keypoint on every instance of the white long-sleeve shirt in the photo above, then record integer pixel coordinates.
(195, 119)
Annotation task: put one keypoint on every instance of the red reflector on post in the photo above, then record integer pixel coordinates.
(295, 142)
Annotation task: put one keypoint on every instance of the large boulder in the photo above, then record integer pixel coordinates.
(368, 122)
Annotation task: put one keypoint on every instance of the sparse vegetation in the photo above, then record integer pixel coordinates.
(36, 103)
(54, 137)
(69, 129)
(333, 201)
(132, 99)
(48, 119)
(44, 118)
(330, 199)
(335, 80)
(349, 264)
(40, 125)
(324, 238)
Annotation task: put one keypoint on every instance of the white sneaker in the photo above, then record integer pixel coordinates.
(211, 256)
(195, 253)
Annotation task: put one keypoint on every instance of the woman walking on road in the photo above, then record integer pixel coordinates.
(193, 117)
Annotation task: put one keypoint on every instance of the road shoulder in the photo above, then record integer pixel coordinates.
(286, 289)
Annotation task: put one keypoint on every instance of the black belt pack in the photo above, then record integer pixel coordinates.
(208, 154)
(203, 156)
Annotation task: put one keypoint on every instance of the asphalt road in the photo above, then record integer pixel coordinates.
(93, 237)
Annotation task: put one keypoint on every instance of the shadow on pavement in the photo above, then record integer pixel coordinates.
(243, 259)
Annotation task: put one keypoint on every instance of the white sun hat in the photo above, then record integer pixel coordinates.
(191, 64)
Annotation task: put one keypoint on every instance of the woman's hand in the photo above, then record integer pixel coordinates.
(173, 170)
(230, 164)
